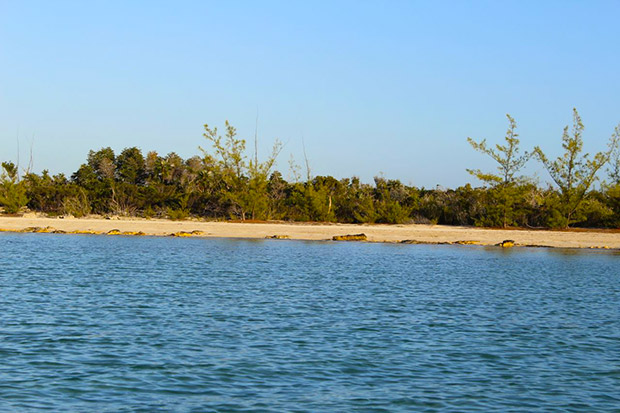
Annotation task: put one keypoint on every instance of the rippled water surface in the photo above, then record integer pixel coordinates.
(93, 323)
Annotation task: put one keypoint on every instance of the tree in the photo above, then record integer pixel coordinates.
(130, 166)
(257, 196)
(612, 192)
(276, 190)
(505, 183)
(614, 167)
(612, 196)
(102, 162)
(47, 193)
(230, 155)
(96, 176)
(357, 203)
(245, 183)
(12, 191)
(573, 172)
(391, 201)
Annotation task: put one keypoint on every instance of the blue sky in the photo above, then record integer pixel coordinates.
(371, 87)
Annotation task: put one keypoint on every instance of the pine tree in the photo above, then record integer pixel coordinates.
(574, 172)
(504, 184)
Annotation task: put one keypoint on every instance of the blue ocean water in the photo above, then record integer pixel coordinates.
(95, 323)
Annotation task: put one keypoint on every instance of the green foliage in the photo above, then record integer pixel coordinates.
(244, 183)
(178, 214)
(77, 205)
(507, 156)
(461, 206)
(126, 199)
(85, 176)
(47, 193)
(311, 201)
(391, 202)
(614, 161)
(595, 211)
(276, 195)
(224, 183)
(256, 200)
(130, 166)
(504, 193)
(612, 200)
(12, 191)
(148, 212)
(356, 203)
(574, 172)
(102, 163)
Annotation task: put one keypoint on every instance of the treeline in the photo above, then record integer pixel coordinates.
(224, 183)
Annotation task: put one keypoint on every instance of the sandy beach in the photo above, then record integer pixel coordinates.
(424, 234)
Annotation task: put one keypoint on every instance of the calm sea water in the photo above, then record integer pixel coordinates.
(94, 323)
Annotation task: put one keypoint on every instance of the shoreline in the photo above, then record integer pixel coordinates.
(410, 233)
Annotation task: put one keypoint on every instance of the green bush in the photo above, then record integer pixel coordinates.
(12, 192)
(78, 205)
(178, 214)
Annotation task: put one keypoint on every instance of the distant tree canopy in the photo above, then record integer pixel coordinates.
(223, 182)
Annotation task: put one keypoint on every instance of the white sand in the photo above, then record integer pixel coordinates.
(304, 231)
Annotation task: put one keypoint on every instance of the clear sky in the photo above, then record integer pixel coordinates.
(392, 87)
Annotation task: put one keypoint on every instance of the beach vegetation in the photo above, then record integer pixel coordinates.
(77, 205)
(178, 214)
(12, 190)
(574, 172)
(224, 182)
(614, 159)
(506, 185)
(243, 183)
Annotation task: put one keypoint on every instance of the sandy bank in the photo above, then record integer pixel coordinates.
(431, 234)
